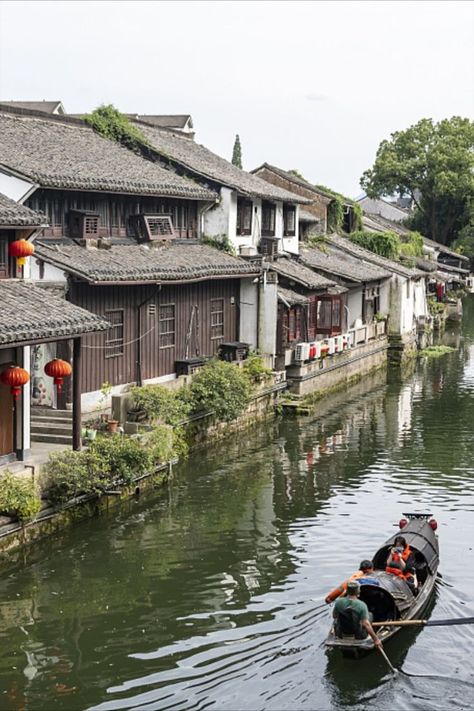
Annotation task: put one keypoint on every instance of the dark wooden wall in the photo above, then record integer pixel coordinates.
(114, 211)
(156, 361)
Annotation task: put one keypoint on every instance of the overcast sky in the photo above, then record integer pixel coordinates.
(308, 85)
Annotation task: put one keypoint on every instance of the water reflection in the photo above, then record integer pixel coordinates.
(212, 595)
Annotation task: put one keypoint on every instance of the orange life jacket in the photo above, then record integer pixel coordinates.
(342, 589)
(396, 557)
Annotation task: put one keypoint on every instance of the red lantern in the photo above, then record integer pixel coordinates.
(402, 523)
(15, 377)
(58, 369)
(21, 249)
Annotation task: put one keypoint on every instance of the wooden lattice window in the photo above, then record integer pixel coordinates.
(167, 325)
(83, 224)
(217, 318)
(4, 270)
(268, 219)
(149, 228)
(289, 220)
(114, 337)
(244, 216)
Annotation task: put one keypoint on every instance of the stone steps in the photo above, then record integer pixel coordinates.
(51, 438)
(51, 426)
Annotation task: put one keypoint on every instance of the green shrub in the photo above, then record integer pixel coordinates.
(162, 404)
(221, 387)
(254, 368)
(412, 246)
(385, 244)
(18, 496)
(121, 459)
(161, 444)
(69, 474)
(110, 123)
(108, 461)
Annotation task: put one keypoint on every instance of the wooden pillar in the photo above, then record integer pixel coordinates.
(76, 395)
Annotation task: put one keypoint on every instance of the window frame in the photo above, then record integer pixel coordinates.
(117, 342)
(289, 210)
(268, 211)
(5, 258)
(220, 323)
(244, 205)
(167, 320)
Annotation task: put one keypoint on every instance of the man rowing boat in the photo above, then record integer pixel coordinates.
(352, 616)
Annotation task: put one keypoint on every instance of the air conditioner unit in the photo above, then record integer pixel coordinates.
(339, 343)
(332, 345)
(302, 352)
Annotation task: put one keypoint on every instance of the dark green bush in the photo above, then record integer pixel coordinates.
(161, 404)
(122, 459)
(385, 244)
(69, 474)
(221, 387)
(18, 496)
(254, 368)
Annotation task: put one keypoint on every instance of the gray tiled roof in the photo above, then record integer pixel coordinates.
(164, 120)
(61, 152)
(31, 313)
(159, 262)
(305, 216)
(204, 162)
(344, 243)
(47, 107)
(327, 197)
(337, 263)
(445, 250)
(12, 214)
(291, 297)
(377, 223)
(298, 272)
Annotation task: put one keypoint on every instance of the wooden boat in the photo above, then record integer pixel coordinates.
(388, 596)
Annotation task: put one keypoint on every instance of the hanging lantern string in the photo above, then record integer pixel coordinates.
(127, 343)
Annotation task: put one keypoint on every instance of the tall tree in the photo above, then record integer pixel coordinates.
(432, 163)
(237, 153)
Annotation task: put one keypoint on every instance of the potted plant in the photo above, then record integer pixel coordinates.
(112, 425)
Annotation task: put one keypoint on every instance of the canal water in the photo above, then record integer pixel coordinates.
(210, 596)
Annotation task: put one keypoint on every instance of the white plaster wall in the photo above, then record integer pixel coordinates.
(420, 299)
(384, 301)
(26, 400)
(267, 315)
(51, 274)
(248, 326)
(217, 219)
(354, 304)
(13, 187)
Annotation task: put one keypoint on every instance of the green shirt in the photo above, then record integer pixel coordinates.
(349, 613)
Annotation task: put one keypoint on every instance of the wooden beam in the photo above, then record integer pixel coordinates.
(76, 395)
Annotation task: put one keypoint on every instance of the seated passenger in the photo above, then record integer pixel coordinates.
(352, 617)
(400, 555)
(366, 567)
(411, 579)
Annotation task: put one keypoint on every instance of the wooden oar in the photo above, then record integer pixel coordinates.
(392, 668)
(425, 623)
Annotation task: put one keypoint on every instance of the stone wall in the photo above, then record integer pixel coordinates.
(322, 375)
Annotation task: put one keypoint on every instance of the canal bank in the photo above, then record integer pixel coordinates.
(213, 594)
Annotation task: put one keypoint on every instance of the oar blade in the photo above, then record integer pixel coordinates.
(454, 621)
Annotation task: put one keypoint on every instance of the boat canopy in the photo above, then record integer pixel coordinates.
(383, 592)
(422, 540)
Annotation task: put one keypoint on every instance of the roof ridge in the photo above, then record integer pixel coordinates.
(32, 113)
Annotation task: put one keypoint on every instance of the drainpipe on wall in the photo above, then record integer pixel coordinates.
(201, 212)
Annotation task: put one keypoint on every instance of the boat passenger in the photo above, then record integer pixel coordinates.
(365, 568)
(352, 616)
(399, 557)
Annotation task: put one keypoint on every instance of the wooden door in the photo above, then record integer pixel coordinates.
(6, 421)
